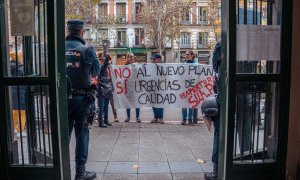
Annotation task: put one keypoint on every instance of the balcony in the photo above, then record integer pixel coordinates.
(185, 45)
(139, 45)
(121, 19)
(186, 22)
(200, 22)
(121, 44)
(103, 19)
(202, 45)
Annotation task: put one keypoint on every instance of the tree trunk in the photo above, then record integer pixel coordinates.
(172, 48)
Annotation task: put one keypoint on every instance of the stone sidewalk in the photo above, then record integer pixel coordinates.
(147, 151)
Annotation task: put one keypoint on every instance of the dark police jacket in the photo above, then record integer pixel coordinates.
(82, 62)
(216, 60)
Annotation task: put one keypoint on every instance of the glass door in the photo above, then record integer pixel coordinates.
(34, 133)
(256, 44)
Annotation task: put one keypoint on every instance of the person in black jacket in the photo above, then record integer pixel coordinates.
(105, 89)
(82, 65)
(216, 60)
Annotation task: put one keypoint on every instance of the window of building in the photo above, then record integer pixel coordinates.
(121, 9)
(102, 34)
(202, 14)
(187, 19)
(139, 37)
(140, 57)
(203, 57)
(202, 39)
(121, 38)
(138, 10)
(102, 10)
(185, 40)
(102, 13)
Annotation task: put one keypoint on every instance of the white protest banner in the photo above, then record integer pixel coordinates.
(162, 85)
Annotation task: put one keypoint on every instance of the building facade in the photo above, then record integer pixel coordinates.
(119, 21)
(197, 33)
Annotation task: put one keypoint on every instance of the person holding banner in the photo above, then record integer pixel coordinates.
(112, 104)
(130, 60)
(158, 112)
(188, 113)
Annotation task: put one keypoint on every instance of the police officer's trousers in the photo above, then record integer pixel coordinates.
(77, 110)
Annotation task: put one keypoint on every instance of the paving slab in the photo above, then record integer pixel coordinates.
(102, 143)
(148, 151)
(188, 176)
(187, 156)
(119, 177)
(154, 167)
(121, 168)
(185, 167)
(152, 154)
(202, 153)
(150, 135)
(99, 154)
(124, 157)
(154, 177)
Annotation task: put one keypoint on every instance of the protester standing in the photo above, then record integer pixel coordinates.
(188, 113)
(105, 89)
(158, 112)
(130, 60)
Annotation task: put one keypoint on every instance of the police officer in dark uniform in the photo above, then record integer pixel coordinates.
(82, 65)
(210, 107)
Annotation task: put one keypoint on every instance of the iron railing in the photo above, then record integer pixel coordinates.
(121, 43)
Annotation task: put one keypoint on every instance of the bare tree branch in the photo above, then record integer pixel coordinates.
(162, 20)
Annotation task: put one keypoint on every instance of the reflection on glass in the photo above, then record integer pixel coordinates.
(257, 13)
(30, 141)
(256, 122)
(29, 53)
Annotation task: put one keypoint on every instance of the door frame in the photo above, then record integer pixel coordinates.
(56, 80)
(228, 81)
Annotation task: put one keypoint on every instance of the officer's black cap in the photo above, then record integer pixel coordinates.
(75, 24)
(156, 56)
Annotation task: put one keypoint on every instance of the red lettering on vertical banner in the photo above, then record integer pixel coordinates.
(197, 94)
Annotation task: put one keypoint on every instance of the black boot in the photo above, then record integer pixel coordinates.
(102, 125)
(212, 175)
(82, 174)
